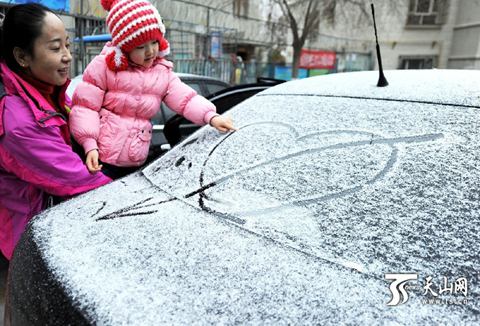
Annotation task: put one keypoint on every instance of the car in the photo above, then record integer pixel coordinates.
(177, 128)
(204, 85)
(170, 128)
(335, 202)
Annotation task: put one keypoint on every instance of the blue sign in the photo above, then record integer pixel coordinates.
(216, 45)
(285, 73)
(61, 5)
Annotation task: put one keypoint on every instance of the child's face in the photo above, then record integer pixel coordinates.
(145, 54)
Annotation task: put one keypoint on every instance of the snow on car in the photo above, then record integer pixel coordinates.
(335, 202)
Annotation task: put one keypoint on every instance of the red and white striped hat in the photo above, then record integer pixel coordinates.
(132, 23)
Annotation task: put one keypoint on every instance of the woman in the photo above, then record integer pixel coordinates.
(36, 158)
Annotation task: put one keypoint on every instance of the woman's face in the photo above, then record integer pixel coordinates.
(50, 61)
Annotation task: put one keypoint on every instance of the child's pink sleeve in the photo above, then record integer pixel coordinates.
(185, 101)
(84, 120)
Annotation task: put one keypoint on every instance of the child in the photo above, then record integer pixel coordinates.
(123, 87)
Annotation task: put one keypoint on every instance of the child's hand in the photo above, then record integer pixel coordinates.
(92, 161)
(222, 124)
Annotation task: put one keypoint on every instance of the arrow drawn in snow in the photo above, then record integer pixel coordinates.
(138, 208)
(132, 210)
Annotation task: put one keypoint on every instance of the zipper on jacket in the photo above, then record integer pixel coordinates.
(51, 114)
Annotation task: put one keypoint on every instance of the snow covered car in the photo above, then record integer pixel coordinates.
(335, 202)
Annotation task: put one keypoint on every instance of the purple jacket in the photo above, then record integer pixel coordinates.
(36, 158)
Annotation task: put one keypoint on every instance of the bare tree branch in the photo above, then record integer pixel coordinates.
(291, 19)
(304, 17)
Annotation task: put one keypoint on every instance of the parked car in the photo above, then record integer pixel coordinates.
(170, 128)
(335, 202)
(203, 85)
(178, 128)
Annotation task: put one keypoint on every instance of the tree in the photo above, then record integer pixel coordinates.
(311, 20)
(304, 17)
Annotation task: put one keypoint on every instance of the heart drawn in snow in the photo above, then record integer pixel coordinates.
(268, 174)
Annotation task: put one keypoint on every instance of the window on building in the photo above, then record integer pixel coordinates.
(240, 7)
(425, 12)
(90, 26)
(416, 62)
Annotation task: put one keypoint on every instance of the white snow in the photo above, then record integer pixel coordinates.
(459, 87)
(315, 199)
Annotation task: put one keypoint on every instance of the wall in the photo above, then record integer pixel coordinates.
(465, 49)
(351, 33)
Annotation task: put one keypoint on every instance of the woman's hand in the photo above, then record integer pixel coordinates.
(92, 161)
(222, 124)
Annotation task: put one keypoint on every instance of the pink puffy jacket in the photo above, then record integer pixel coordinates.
(112, 110)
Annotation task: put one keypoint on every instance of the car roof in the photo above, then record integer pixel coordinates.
(458, 87)
(294, 218)
(194, 76)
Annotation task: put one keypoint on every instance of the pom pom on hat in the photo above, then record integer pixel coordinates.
(163, 48)
(107, 4)
(116, 60)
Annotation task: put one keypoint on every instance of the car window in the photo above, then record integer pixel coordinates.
(179, 128)
(214, 87)
(163, 115)
(195, 85)
(166, 113)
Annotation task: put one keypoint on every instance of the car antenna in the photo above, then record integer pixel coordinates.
(382, 81)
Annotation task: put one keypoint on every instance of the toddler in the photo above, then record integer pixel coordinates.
(123, 87)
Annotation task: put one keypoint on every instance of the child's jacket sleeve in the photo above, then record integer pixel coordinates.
(86, 103)
(40, 156)
(185, 101)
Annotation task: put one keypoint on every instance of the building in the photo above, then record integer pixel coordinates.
(435, 34)
(219, 37)
(413, 34)
(465, 44)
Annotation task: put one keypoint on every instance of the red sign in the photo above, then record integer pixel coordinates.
(313, 59)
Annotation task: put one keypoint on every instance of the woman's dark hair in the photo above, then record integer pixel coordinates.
(21, 27)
